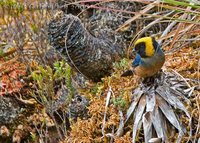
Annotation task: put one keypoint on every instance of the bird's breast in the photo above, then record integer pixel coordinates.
(150, 66)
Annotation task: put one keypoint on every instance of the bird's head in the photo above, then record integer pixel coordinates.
(146, 47)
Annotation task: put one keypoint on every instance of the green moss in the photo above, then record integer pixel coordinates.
(47, 79)
(119, 102)
(122, 64)
(1, 52)
(12, 6)
(64, 71)
(34, 28)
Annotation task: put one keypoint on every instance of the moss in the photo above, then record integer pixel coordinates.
(12, 5)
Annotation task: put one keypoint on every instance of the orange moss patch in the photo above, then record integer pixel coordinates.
(10, 77)
(90, 130)
(124, 139)
(184, 61)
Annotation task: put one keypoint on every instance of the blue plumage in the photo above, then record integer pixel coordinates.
(137, 61)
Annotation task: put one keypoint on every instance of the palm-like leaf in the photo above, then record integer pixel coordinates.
(153, 107)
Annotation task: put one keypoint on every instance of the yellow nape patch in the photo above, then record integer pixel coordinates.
(149, 50)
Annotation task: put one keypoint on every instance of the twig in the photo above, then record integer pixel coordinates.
(121, 125)
(198, 107)
(106, 108)
(11, 51)
(30, 101)
(181, 77)
(149, 7)
(151, 24)
(180, 26)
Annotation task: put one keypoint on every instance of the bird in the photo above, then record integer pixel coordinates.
(149, 58)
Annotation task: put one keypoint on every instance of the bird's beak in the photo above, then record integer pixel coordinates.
(133, 53)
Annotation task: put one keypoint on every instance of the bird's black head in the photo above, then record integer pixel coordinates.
(146, 46)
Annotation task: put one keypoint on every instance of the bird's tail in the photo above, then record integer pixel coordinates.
(127, 73)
